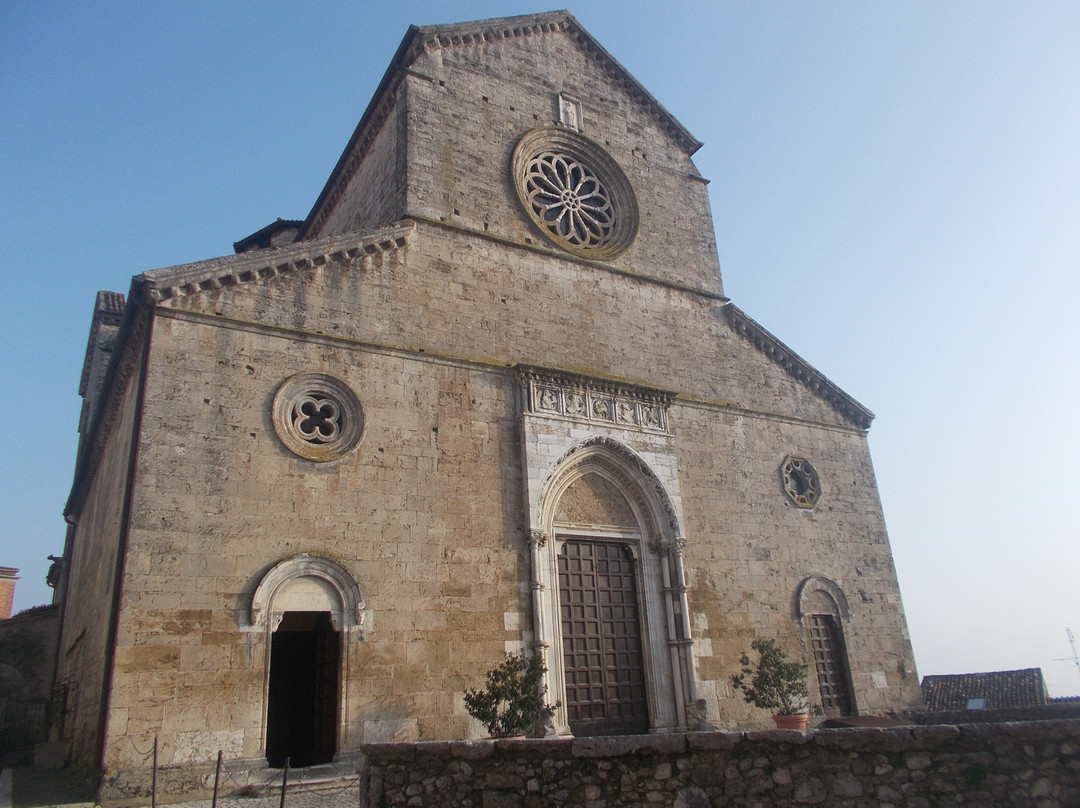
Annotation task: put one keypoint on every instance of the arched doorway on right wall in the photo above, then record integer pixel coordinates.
(823, 610)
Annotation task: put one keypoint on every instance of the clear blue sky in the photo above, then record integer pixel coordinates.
(896, 189)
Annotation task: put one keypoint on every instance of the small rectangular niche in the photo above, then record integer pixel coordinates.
(570, 112)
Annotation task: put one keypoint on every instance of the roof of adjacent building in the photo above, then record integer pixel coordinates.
(1022, 688)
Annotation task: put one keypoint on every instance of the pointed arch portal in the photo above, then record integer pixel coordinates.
(610, 607)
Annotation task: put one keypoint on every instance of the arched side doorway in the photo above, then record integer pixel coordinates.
(823, 610)
(610, 610)
(308, 607)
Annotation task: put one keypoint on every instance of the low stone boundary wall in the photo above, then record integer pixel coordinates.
(996, 715)
(1011, 765)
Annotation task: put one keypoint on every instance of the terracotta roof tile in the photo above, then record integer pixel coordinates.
(1022, 688)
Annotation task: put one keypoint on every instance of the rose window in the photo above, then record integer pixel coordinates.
(570, 199)
(801, 482)
(574, 192)
(316, 419)
(317, 416)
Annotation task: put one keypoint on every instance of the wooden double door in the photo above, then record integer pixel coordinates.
(603, 660)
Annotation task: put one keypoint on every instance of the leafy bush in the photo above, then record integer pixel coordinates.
(512, 702)
(776, 684)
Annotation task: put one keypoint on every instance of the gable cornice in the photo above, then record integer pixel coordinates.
(419, 39)
(108, 312)
(436, 37)
(798, 367)
(131, 346)
(184, 280)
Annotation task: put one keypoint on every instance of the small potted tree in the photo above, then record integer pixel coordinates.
(512, 702)
(774, 684)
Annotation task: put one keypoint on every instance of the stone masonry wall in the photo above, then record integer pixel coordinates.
(424, 514)
(985, 765)
(468, 106)
(748, 549)
(92, 577)
(466, 120)
(219, 500)
(517, 305)
(375, 195)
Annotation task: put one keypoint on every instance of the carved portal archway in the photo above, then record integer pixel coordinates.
(601, 494)
(308, 608)
(308, 582)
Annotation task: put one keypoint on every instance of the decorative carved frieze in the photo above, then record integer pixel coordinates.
(593, 401)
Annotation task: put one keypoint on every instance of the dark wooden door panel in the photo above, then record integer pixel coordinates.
(830, 663)
(601, 632)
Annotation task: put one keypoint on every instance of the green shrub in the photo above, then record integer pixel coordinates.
(512, 702)
(775, 684)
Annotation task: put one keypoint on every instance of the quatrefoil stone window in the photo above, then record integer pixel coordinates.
(801, 482)
(574, 192)
(317, 416)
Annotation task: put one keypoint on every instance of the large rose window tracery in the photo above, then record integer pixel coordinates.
(570, 199)
(575, 192)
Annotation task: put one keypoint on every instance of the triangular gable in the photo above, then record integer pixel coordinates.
(801, 370)
(421, 38)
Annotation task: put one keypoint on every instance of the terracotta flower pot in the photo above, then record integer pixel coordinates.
(797, 721)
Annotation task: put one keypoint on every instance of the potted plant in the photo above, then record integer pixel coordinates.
(512, 702)
(774, 684)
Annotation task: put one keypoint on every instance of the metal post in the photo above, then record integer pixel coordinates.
(153, 778)
(217, 779)
(284, 782)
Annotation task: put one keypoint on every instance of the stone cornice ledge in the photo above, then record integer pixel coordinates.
(798, 367)
(233, 270)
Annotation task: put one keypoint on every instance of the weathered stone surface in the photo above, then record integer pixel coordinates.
(629, 745)
(932, 771)
(432, 546)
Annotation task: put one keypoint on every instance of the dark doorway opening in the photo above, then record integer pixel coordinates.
(601, 634)
(302, 709)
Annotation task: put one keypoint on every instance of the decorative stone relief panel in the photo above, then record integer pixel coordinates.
(592, 500)
(580, 398)
(570, 112)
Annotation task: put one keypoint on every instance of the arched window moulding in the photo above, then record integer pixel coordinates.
(823, 611)
(817, 583)
(324, 584)
(629, 472)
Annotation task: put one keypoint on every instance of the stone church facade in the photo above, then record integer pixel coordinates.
(488, 396)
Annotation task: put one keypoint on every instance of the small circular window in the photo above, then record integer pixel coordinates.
(801, 482)
(575, 192)
(317, 416)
